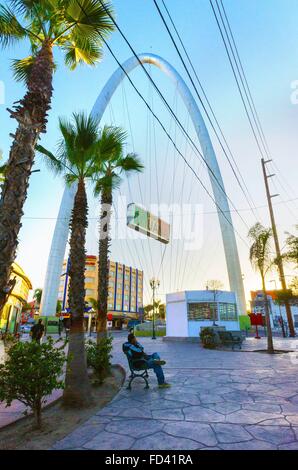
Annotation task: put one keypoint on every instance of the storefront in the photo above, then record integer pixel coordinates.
(189, 311)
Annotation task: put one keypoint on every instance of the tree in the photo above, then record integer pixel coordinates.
(2, 171)
(215, 286)
(76, 29)
(292, 248)
(74, 158)
(148, 309)
(31, 373)
(294, 285)
(109, 168)
(37, 297)
(260, 259)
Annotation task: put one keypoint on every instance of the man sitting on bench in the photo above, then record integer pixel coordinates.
(153, 360)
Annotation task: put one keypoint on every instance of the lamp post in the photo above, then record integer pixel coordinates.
(154, 284)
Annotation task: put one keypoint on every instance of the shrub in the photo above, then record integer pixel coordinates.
(31, 373)
(98, 357)
(9, 340)
(207, 337)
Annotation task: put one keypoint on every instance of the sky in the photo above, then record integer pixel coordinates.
(266, 35)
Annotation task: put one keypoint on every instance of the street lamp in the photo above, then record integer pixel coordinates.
(154, 284)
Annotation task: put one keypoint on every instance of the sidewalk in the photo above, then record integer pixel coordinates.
(218, 400)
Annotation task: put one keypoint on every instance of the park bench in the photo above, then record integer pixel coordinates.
(230, 339)
(137, 367)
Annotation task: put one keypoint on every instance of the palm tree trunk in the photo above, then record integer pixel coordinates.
(31, 114)
(77, 392)
(103, 262)
(270, 347)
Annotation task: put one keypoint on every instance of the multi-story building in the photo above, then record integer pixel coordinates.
(12, 311)
(125, 296)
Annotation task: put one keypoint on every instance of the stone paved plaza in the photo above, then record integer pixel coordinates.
(218, 400)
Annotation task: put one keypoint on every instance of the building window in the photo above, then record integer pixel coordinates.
(227, 312)
(118, 306)
(90, 268)
(90, 292)
(200, 311)
(110, 305)
(89, 280)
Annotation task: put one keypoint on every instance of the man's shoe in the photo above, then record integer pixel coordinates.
(164, 385)
(159, 362)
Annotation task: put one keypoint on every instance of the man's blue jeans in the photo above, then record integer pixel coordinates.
(157, 369)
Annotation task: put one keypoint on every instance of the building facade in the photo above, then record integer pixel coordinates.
(276, 311)
(187, 312)
(125, 285)
(12, 312)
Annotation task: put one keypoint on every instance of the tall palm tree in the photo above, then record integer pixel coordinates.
(113, 163)
(2, 171)
(75, 157)
(37, 297)
(73, 26)
(260, 259)
(292, 248)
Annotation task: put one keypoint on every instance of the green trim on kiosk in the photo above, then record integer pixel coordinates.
(244, 322)
(51, 324)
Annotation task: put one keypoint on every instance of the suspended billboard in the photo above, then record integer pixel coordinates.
(149, 224)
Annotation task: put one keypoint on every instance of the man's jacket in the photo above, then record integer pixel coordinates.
(134, 351)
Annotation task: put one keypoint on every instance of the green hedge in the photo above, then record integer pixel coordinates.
(149, 333)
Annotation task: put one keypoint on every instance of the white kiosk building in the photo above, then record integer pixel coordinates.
(188, 311)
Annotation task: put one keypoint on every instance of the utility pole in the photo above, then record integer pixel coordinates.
(277, 247)
(154, 284)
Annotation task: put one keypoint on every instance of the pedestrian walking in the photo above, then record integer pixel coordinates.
(37, 331)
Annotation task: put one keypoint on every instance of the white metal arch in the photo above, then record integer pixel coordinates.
(57, 251)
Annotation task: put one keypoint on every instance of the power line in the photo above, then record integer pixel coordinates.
(164, 100)
(123, 218)
(202, 103)
(237, 81)
(242, 75)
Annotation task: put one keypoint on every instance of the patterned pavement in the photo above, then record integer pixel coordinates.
(218, 400)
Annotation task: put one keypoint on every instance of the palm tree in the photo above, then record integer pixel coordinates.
(113, 163)
(260, 259)
(2, 172)
(37, 295)
(75, 158)
(75, 28)
(292, 248)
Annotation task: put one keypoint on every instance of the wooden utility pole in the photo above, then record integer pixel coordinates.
(277, 247)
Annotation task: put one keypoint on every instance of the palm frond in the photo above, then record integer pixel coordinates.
(22, 68)
(131, 163)
(106, 183)
(11, 29)
(259, 253)
(70, 178)
(89, 16)
(81, 52)
(53, 163)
